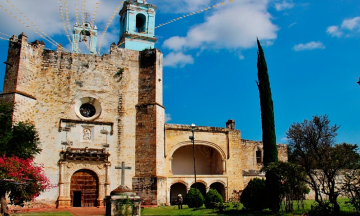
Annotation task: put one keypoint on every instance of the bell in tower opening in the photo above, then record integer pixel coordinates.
(137, 25)
(81, 34)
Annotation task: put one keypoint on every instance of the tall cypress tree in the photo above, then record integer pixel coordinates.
(268, 129)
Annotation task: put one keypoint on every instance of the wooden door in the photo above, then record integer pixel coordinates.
(86, 182)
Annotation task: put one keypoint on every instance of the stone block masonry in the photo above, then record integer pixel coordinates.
(147, 117)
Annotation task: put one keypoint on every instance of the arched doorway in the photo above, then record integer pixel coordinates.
(201, 187)
(220, 189)
(208, 161)
(84, 188)
(175, 190)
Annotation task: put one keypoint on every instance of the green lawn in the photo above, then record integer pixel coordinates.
(172, 210)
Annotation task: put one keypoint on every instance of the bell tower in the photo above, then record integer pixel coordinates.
(137, 25)
(84, 33)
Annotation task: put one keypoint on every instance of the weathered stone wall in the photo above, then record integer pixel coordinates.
(225, 141)
(149, 127)
(57, 81)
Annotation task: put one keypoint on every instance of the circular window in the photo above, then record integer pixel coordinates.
(88, 108)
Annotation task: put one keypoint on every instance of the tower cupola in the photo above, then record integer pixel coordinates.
(137, 25)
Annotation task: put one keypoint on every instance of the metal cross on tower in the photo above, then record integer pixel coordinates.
(123, 168)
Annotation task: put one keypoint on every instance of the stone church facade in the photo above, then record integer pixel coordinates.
(95, 112)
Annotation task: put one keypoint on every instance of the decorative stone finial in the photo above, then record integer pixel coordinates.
(23, 36)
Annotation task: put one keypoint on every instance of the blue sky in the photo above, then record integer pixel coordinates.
(312, 49)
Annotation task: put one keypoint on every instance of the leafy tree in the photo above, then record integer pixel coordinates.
(313, 144)
(253, 195)
(21, 139)
(212, 197)
(291, 185)
(22, 180)
(194, 198)
(351, 188)
(268, 129)
(19, 177)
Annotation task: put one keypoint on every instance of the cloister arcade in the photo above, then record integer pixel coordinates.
(210, 170)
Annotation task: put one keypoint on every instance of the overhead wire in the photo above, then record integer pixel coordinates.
(3, 38)
(94, 13)
(27, 25)
(77, 11)
(108, 24)
(8, 1)
(63, 22)
(182, 17)
(83, 11)
(5, 34)
(193, 13)
(67, 17)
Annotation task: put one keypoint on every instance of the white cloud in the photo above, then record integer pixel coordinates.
(49, 20)
(235, 27)
(175, 43)
(177, 59)
(167, 117)
(284, 5)
(292, 24)
(309, 46)
(348, 27)
(351, 24)
(334, 31)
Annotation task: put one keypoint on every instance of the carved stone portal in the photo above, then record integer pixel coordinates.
(73, 160)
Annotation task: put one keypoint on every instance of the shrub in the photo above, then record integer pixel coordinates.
(254, 195)
(318, 210)
(194, 199)
(212, 197)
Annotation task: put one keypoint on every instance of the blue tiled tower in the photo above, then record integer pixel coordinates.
(137, 25)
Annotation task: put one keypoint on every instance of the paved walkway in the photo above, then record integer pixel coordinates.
(74, 211)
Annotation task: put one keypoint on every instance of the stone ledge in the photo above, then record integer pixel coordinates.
(198, 128)
(20, 93)
(253, 173)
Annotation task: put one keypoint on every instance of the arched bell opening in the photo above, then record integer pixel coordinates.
(220, 188)
(84, 189)
(140, 23)
(201, 187)
(208, 161)
(175, 190)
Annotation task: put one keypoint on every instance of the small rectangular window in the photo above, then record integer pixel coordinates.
(258, 157)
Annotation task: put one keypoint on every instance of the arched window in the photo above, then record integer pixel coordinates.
(140, 23)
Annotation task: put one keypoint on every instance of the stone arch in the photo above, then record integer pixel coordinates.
(72, 168)
(220, 187)
(201, 186)
(199, 181)
(176, 189)
(218, 181)
(211, 159)
(180, 181)
(199, 142)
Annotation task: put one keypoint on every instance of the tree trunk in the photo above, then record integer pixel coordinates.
(4, 209)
